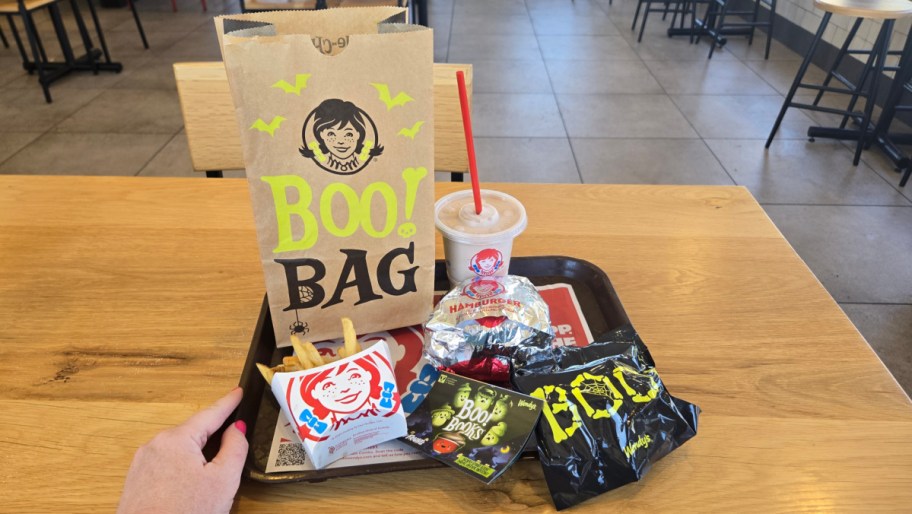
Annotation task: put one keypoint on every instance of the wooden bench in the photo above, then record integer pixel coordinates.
(215, 141)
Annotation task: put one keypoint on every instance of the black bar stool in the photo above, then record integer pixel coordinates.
(749, 26)
(866, 87)
(682, 7)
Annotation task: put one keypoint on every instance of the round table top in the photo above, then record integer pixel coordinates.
(876, 9)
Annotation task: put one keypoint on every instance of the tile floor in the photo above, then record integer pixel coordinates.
(561, 87)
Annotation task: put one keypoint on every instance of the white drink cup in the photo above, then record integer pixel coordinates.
(478, 244)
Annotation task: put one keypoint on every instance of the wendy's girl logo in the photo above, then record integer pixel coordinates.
(486, 262)
(340, 137)
(479, 289)
(332, 397)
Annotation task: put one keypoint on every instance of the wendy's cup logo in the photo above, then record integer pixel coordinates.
(340, 137)
(480, 288)
(486, 262)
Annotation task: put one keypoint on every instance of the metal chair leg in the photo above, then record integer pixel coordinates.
(3, 38)
(637, 14)
(214, 174)
(139, 27)
(32, 33)
(62, 37)
(709, 18)
(98, 32)
(750, 37)
(18, 40)
(800, 75)
(457, 177)
(643, 24)
(719, 26)
(693, 21)
(422, 7)
(41, 51)
(881, 50)
(769, 35)
(84, 33)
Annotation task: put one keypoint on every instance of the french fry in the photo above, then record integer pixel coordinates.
(266, 372)
(312, 353)
(301, 352)
(307, 356)
(297, 345)
(351, 338)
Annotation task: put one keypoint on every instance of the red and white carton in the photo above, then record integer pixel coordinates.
(343, 407)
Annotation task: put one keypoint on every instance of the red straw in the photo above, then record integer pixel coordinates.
(470, 143)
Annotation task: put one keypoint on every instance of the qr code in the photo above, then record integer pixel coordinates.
(291, 455)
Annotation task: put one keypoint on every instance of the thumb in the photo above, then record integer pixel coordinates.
(233, 452)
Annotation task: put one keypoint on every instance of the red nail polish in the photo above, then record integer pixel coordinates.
(240, 425)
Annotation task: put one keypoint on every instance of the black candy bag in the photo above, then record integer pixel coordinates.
(607, 416)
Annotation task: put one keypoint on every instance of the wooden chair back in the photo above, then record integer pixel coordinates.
(215, 142)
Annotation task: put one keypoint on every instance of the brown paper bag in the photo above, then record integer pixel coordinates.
(336, 109)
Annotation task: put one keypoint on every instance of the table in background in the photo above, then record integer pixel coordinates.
(94, 59)
(128, 303)
(418, 7)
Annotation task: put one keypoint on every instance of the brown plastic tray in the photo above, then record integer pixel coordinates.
(599, 302)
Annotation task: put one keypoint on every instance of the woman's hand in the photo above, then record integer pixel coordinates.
(170, 474)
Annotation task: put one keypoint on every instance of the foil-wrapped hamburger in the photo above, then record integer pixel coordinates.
(486, 323)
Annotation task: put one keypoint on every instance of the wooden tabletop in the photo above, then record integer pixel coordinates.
(126, 304)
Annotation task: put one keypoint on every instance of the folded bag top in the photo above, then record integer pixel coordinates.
(339, 21)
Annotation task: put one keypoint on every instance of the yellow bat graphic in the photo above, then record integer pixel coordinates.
(411, 132)
(270, 127)
(300, 83)
(400, 100)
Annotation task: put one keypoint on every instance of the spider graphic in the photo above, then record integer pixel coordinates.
(299, 327)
